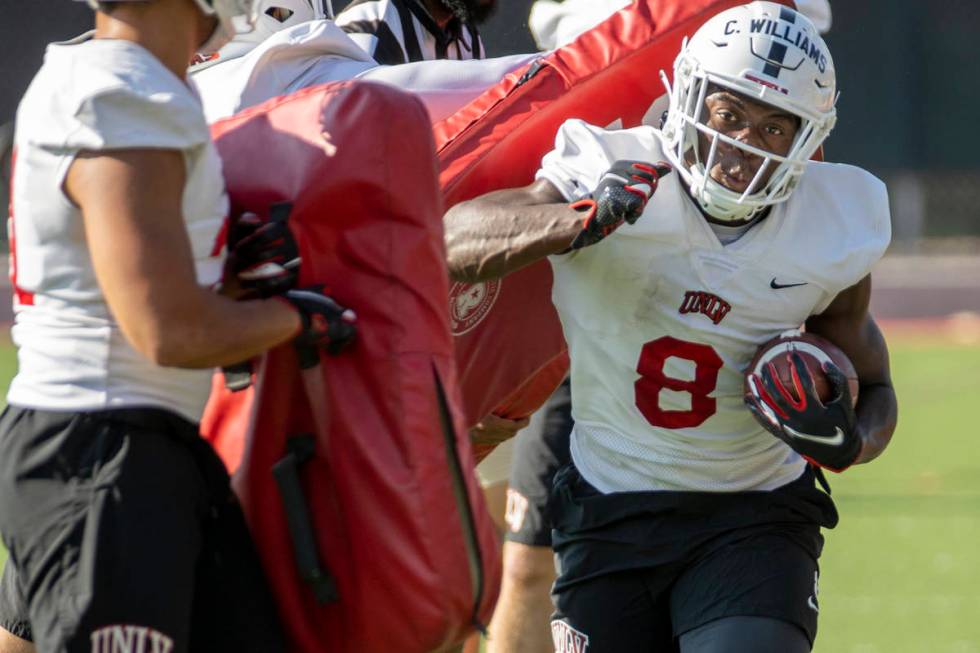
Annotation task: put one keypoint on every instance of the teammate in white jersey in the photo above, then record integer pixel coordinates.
(119, 520)
(682, 521)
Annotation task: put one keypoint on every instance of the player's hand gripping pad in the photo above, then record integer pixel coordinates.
(371, 527)
(509, 343)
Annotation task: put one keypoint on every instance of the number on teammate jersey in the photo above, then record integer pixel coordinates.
(653, 379)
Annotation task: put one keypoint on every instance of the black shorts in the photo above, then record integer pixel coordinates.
(538, 455)
(121, 526)
(639, 569)
(13, 606)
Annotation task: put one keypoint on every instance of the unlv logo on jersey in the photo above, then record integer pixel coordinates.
(568, 640)
(712, 306)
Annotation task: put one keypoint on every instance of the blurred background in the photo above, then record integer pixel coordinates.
(902, 571)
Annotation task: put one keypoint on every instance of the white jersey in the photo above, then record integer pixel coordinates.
(661, 320)
(317, 52)
(245, 74)
(98, 95)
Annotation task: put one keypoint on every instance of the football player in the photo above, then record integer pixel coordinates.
(681, 520)
(521, 619)
(119, 519)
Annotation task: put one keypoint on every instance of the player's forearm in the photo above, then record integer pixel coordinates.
(877, 415)
(214, 331)
(488, 240)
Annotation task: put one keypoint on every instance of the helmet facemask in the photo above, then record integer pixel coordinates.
(276, 15)
(687, 114)
(271, 17)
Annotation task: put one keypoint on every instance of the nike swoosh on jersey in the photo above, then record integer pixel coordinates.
(778, 286)
(835, 441)
(813, 604)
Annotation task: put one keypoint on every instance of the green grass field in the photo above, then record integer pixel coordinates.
(901, 574)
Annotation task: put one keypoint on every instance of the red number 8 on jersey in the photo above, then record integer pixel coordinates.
(653, 379)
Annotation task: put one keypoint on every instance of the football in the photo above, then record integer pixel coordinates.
(815, 351)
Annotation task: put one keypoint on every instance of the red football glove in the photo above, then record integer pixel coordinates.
(824, 434)
(622, 194)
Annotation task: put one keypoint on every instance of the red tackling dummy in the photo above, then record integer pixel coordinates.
(356, 475)
(509, 344)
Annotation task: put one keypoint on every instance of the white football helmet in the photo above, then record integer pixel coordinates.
(271, 16)
(768, 53)
(234, 17)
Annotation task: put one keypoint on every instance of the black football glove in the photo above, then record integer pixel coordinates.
(826, 435)
(263, 254)
(326, 324)
(622, 194)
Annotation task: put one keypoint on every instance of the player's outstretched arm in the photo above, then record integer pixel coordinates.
(131, 201)
(498, 233)
(848, 324)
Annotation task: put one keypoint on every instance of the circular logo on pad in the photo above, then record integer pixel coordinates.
(469, 303)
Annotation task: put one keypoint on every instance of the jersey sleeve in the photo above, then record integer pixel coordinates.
(577, 162)
(128, 117)
(584, 152)
(863, 232)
